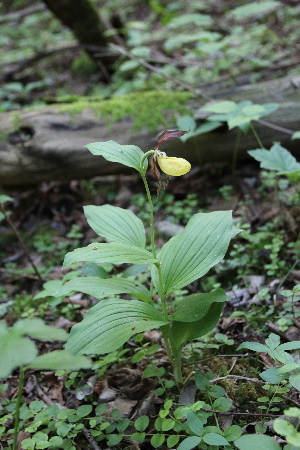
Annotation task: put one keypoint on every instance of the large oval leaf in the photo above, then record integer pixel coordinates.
(189, 443)
(112, 253)
(129, 155)
(100, 287)
(116, 224)
(256, 442)
(191, 254)
(37, 329)
(183, 332)
(61, 360)
(194, 307)
(15, 351)
(110, 323)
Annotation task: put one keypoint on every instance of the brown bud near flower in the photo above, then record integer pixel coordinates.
(168, 134)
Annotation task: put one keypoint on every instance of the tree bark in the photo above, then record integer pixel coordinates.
(50, 146)
(82, 19)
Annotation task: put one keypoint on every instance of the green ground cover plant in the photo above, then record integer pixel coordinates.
(17, 350)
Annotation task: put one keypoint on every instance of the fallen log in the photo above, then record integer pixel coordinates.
(42, 144)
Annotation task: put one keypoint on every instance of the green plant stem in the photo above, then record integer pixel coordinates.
(177, 367)
(235, 152)
(166, 330)
(152, 234)
(143, 169)
(276, 194)
(274, 395)
(256, 136)
(17, 411)
(215, 416)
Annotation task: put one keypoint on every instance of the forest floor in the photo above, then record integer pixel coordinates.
(260, 272)
(261, 263)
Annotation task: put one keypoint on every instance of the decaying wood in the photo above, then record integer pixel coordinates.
(50, 145)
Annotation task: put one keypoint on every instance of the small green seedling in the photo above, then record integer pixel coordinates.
(234, 115)
(18, 351)
(289, 370)
(287, 429)
(278, 159)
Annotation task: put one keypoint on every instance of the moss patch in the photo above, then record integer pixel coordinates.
(241, 391)
(148, 109)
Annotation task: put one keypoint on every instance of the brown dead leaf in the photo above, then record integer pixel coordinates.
(146, 406)
(22, 435)
(153, 167)
(267, 360)
(153, 336)
(123, 405)
(233, 326)
(63, 322)
(53, 387)
(124, 377)
(130, 383)
(293, 333)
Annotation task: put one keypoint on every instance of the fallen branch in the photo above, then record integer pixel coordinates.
(18, 15)
(18, 236)
(49, 145)
(18, 66)
(186, 86)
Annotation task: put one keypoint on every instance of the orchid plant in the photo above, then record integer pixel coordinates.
(182, 260)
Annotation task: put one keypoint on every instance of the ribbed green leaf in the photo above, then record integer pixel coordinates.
(15, 351)
(296, 135)
(183, 332)
(113, 253)
(191, 254)
(254, 9)
(110, 323)
(271, 375)
(129, 155)
(194, 423)
(189, 443)
(255, 346)
(294, 379)
(221, 107)
(194, 307)
(256, 442)
(61, 360)
(37, 329)
(100, 287)
(116, 224)
(215, 439)
(294, 345)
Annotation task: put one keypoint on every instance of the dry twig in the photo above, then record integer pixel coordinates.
(18, 236)
(186, 86)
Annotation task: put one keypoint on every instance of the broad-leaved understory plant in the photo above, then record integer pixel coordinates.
(18, 351)
(182, 260)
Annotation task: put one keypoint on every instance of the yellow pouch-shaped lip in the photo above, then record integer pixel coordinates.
(174, 166)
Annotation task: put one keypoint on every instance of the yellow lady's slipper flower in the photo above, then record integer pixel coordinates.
(173, 166)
